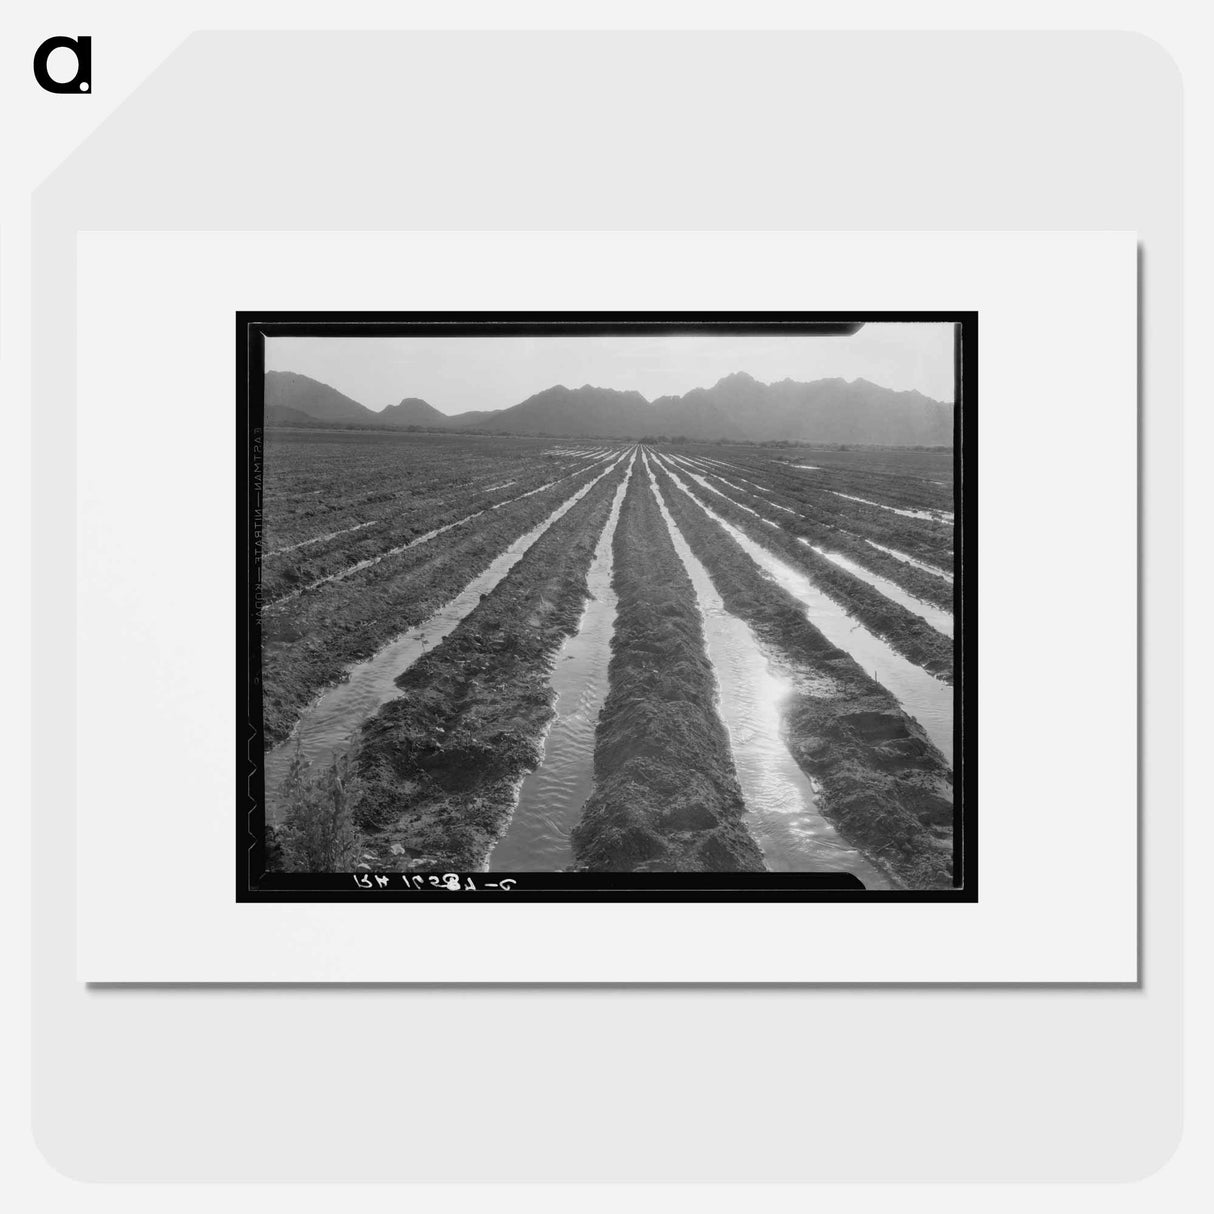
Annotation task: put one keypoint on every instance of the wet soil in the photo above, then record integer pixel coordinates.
(550, 799)
(906, 632)
(927, 540)
(313, 644)
(916, 582)
(884, 786)
(443, 762)
(666, 794)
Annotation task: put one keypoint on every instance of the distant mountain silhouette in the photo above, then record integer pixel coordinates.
(305, 395)
(823, 411)
(604, 412)
(289, 394)
(284, 415)
(739, 406)
(736, 407)
(413, 411)
(473, 417)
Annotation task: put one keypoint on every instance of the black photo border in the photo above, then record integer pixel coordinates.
(254, 884)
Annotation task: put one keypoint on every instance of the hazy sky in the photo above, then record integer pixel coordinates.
(459, 373)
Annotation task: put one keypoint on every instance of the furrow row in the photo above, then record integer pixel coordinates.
(884, 784)
(443, 761)
(906, 631)
(666, 795)
(918, 584)
(313, 644)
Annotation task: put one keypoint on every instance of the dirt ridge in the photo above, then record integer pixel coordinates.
(885, 787)
(912, 636)
(442, 763)
(914, 581)
(313, 646)
(666, 795)
(928, 541)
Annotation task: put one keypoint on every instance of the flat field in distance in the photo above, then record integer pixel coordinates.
(738, 657)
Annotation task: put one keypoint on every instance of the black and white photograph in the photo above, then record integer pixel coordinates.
(572, 606)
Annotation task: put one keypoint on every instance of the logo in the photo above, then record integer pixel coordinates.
(82, 81)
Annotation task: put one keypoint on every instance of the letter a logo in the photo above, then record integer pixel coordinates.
(82, 81)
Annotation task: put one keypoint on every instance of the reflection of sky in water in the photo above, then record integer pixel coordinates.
(551, 797)
(910, 560)
(939, 516)
(783, 813)
(937, 617)
(925, 698)
(325, 728)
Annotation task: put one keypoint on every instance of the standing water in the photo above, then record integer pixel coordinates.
(910, 560)
(935, 516)
(780, 798)
(940, 619)
(369, 562)
(325, 728)
(925, 698)
(749, 493)
(702, 481)
(551, 797)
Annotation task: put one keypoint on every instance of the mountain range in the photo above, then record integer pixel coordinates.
(736, 407)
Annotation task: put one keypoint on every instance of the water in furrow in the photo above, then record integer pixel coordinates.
(922, 696)
(752, 493)
(700, 480)
(325, 728)
(372, 561)
(781, 800)
(910, 560)
(932, 516)
(940, 619)
(320, 539)
(551, 797)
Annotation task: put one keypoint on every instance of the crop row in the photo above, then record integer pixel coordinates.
(906, 473)
(885, 787)
(302, 569)
(776, 507)
(906, 632)
(666, 796)
(928, 540)
(309, 643)
(320, 482)
(315, 517)
(441, 763)
(891, 489)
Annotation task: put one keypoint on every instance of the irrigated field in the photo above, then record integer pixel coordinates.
(549, 655)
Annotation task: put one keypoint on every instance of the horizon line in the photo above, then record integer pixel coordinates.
(622, 391)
